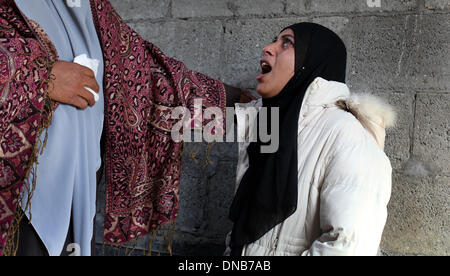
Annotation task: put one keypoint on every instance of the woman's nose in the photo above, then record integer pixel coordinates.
(268, 50)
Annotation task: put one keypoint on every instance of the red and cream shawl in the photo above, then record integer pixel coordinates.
(141, 88)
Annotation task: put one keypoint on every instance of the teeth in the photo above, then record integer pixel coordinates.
(265, 67)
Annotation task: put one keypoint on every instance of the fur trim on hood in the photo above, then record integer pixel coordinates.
(373, 112)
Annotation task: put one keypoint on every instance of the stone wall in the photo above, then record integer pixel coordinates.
(398, 49)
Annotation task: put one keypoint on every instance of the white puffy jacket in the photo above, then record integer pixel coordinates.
(344, 177)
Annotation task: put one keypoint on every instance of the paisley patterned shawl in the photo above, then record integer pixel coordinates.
(25, 108)
(141, 86)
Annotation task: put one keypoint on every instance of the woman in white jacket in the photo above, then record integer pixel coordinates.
(326, 189)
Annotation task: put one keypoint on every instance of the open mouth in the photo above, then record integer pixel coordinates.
(265, 67)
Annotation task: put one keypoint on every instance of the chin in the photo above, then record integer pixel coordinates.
(263, 93)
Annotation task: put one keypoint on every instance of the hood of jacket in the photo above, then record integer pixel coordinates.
(373, 112)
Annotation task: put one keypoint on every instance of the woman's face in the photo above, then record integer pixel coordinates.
(277, 66)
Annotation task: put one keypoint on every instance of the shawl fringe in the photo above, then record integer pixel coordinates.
(159, 242)
(11, 246)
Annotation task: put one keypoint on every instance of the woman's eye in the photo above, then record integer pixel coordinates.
(286, 43)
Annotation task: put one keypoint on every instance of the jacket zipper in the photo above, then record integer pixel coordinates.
(277, 239)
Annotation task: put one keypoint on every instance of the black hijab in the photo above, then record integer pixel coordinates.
(267, 194)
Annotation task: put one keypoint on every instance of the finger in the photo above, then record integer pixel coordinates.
(80, 102)
(87, 96)
(86, 71)
(92, 84)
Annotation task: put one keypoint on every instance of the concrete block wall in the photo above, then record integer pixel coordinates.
(398, 49)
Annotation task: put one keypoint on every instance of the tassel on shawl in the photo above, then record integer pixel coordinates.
(159, 241)
(11, 246)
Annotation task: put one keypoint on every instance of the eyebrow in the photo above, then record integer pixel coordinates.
(288, 35)
(284, 36)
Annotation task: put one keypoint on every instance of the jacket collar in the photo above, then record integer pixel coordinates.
(372, 112)
(322, 93)
(319, 95)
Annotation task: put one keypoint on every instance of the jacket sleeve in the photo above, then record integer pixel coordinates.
(193, 89)
(353, 201)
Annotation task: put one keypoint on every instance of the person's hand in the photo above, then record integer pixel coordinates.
(246, 97)
(68, 84)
